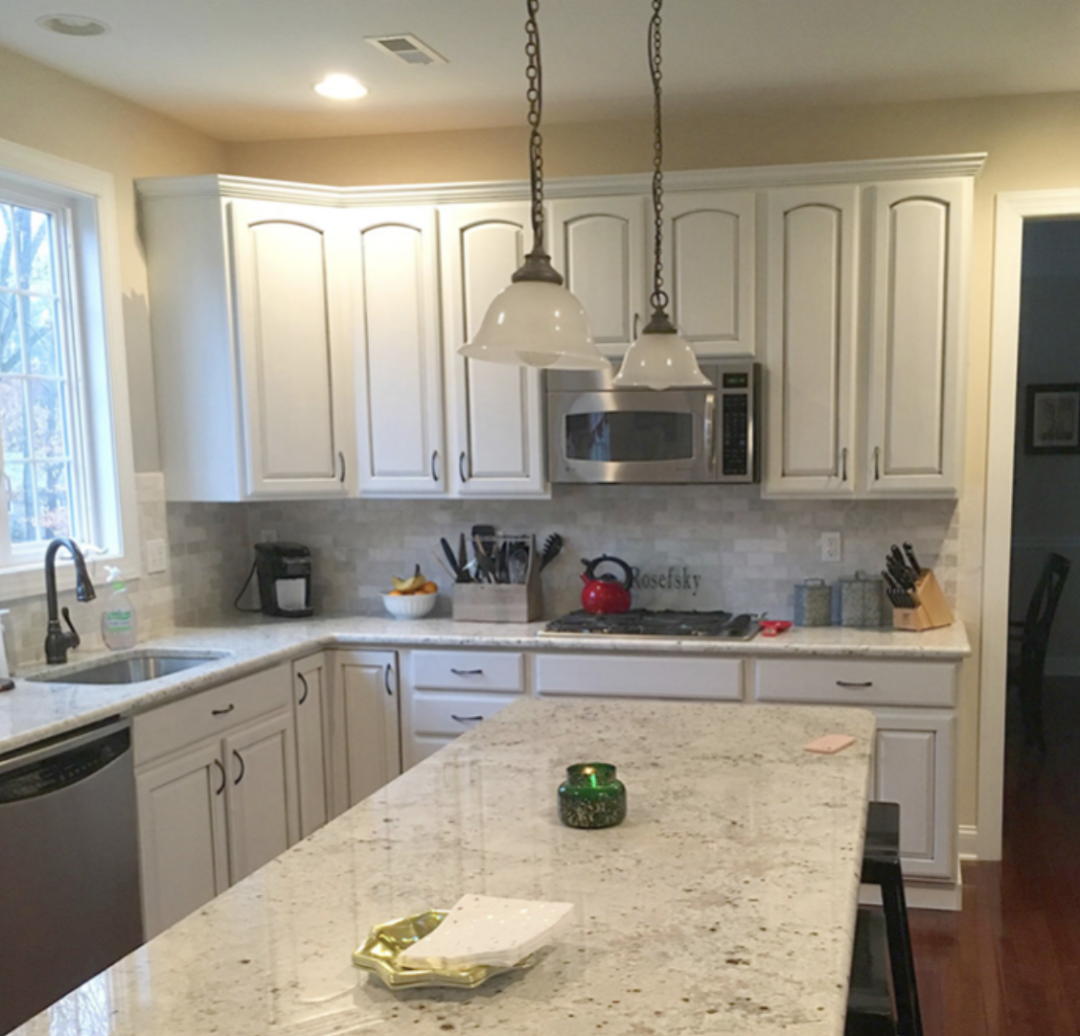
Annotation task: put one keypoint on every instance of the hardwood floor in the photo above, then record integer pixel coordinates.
(1009, 963)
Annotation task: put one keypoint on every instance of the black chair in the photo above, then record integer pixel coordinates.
(883, 940)
(1028, 641)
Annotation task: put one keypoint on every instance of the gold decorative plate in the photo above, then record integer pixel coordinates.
(386, 942)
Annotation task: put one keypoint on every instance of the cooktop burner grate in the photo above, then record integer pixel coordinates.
(643, 623)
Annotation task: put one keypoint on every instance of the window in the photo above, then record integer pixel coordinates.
(65, 449)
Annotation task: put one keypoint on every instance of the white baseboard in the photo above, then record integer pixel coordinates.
(919, 896)
(968, 842)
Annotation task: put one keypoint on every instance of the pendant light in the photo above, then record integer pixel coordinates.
(536, 322)
(660, 358)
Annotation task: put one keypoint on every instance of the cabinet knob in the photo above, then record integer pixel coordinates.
(304, 683)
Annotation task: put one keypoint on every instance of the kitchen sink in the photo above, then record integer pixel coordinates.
(134, 669)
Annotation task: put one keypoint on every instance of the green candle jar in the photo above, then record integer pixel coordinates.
(592, 796)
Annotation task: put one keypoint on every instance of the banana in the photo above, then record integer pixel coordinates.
(410, 585)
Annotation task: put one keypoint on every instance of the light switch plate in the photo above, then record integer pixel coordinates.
(157, 557)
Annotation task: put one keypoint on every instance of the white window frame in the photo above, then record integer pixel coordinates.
(88, 195)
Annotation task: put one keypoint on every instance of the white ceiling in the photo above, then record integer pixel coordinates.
(243, 69)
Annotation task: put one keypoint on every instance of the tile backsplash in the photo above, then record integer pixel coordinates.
(727, 545)
(696, 547)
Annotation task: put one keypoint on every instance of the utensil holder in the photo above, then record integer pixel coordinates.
(502, 602)
(931, 610)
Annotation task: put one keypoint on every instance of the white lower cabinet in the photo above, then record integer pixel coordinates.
(447, 693)
(216, 792)
(368, 745)
(311, 710)
(913, 765)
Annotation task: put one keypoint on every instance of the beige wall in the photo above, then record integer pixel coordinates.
(51, 112)
(1032, 143)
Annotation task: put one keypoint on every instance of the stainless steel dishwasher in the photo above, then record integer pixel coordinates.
(69, 870)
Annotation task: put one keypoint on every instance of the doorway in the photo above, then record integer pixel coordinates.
(1015, 211)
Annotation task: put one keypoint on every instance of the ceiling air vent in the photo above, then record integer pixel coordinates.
(406, 48)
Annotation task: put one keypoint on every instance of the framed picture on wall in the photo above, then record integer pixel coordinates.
(1053, 419)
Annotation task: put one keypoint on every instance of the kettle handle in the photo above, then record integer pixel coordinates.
(590, 568)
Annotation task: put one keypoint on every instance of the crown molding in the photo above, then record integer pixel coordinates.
(747, 178)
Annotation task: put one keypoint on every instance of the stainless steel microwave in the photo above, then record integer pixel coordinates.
(599, 433)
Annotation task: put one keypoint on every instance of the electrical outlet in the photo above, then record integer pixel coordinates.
(268, 536)
(831, 546)
(157, 557)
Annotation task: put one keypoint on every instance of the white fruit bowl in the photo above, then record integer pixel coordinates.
(412, 606)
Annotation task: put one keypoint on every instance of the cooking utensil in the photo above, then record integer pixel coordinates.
(913, 562)
(463, 555)
(484, 565)
(442, 564)
(459, 575)
(552, 545)
(518, 563)
(605, 594)
(903, 575)
(773, 627)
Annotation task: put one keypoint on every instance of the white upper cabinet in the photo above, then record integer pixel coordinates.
(918, 238)
(709, 250)
(598, 245)
(251, 353)
(495, 428)
(292, 331)
(395, 291)
(810, 313)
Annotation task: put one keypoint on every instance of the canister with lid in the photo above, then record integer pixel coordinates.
(860, 601)
(813, 603)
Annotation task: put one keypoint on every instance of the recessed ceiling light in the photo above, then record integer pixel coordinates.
(72, 25)
(341, 87)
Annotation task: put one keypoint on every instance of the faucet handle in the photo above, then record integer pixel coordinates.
(73, 637)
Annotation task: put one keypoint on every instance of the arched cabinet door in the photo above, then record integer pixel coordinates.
(709, 257)
(292, 341)
(810, 313)
(495, 419)
(395, 305)
(918, 236)
(598, 245)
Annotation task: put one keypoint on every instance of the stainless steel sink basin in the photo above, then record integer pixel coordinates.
(135, 669)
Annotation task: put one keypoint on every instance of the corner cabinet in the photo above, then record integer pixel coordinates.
(496, 428)
(251, 347)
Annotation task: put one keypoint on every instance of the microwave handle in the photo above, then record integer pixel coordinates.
(710, 430)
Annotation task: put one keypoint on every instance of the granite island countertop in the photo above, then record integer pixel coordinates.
(34, 711)
(725, 903)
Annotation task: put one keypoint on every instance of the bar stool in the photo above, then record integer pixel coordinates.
(882, 934)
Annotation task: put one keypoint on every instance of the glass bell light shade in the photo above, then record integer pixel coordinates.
(660, 360)
(538, 324)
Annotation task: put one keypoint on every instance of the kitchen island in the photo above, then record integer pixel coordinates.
(725, 903)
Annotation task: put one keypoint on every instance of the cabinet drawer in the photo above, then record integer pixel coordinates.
(209, 713)
(468, 670)
(855, 682)
(640, 676)
(446, 713)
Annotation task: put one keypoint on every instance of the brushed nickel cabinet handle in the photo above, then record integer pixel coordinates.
(434, 469)
(461, 467)
(341, 461)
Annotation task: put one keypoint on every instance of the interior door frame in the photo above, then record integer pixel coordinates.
(1012, 209)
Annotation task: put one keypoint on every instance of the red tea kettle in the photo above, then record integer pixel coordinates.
(604, 594)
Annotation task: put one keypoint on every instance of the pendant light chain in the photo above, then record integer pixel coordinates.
(659, 298)
(534, 94)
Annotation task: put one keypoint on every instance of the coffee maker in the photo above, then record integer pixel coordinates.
(284, 575)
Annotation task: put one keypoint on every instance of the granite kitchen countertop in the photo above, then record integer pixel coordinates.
(725, 903)
(37, 710)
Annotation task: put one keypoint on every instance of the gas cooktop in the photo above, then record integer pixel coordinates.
(718, 625)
